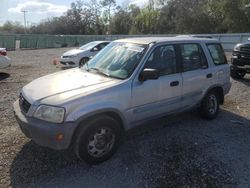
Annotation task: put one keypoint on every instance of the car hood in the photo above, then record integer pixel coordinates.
(244, 44)
(62, 85)
(73, 52)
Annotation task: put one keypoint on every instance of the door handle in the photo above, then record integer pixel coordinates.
(174, 83)
(210, 75)
(221, 72)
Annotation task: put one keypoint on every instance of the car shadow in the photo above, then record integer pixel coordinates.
(183, 146)
(245, 80)
(4, 76)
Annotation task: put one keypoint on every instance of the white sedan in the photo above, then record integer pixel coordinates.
(79, 56)
(4, 59)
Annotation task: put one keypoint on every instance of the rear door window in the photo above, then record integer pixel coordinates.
(217, 54)
(193, 57)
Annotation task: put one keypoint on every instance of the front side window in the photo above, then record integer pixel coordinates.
(192, 57)
(88, 46)
(163, 59)
(217, 54)
(102, 45)
(118, 59)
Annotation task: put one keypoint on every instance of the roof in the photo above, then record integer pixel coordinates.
(101, 41)
(148, 40)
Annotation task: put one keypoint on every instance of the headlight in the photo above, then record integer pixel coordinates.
(72, 56)
(237, 47)
(50, 113)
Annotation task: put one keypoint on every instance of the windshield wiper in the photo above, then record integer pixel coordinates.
(99, 71)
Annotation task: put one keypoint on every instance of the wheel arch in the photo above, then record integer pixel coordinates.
(219, 90)
(84, 57)
(83, 120)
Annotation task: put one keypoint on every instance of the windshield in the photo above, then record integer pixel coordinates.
(88, 46)
(118, 59)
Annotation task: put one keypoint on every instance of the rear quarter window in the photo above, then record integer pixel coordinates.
(217, 54)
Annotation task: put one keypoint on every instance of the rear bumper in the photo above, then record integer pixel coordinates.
(44, 133)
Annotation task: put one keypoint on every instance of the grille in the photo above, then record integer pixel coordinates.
(245, 55)
(245, 49)
(24, 104)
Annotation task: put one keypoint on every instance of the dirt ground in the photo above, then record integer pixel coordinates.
(177, 151)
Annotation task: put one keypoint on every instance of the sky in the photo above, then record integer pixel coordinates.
(39, 9)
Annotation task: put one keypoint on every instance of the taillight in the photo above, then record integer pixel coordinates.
(4, 53)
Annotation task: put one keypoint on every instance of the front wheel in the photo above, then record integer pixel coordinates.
(99, 140)
(83, 61)
(209, 107)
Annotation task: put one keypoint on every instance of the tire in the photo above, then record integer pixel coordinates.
(209, 107)
(83, 61)
(98, 140)
(237, 74)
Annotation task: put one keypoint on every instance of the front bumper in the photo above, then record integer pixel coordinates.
(240, 61)
(4, 62)
(44, 133)
(70, 61)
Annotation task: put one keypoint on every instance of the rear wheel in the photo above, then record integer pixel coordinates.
(83, 61)
(209, 107)
(98, 140)
(237, 74)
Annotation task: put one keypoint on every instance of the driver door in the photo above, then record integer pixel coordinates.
(156, 97)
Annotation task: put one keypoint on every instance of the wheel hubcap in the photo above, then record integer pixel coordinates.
(101, 142)
(212, 104)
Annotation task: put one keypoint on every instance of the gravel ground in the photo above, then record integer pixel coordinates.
(176, 151)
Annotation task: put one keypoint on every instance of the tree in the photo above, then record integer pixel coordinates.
(12, 27)
(156, 17)
(121, 22)
(146, 20)
(109, 7)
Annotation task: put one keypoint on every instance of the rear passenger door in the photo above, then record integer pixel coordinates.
(195, 73)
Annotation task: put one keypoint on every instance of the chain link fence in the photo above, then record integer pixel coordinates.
(8, 42)
(56, 41)
(11, 42)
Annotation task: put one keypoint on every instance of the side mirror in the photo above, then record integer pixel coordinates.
(149, 74)
(95, 49)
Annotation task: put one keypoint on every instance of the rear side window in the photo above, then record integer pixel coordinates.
(192, 57)
(217, 54)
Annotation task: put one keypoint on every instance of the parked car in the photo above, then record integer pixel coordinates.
(4, 59)
(79, 56)
(241, 60)
(127, 83)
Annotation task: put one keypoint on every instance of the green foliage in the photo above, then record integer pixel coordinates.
(156, 17)
(12, 28)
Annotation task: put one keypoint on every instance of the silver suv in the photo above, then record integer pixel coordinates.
(128, 82)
